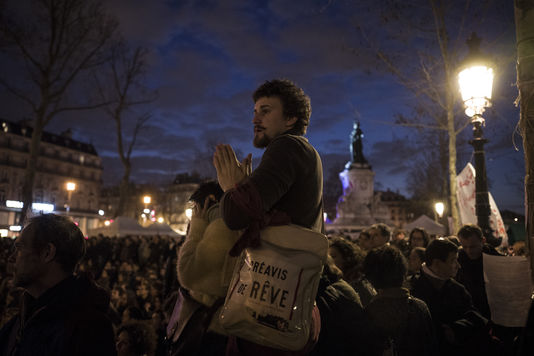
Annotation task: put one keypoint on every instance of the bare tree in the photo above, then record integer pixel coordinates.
(524, 17)
(127, 68)
(49, 44)
(420, 43)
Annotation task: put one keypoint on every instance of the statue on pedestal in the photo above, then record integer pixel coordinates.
(357, 158)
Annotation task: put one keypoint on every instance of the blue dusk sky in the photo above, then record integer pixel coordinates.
(207, 57)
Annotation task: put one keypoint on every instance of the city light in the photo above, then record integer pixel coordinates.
(147, 199)
(15, 228)
(160, 220)
(101, 212)
(440, 208)
(475, 87)
(107, 223)
(44, 207)
(3, 232)
(146, 211)
(71, 187)
(14, 204)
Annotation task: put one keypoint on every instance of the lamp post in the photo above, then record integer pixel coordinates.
(476, 81)
(70, 186)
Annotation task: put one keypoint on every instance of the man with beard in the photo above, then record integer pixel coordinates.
(286, 187)
(61, 313)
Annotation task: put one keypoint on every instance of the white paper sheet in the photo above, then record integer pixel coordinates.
(509, 288)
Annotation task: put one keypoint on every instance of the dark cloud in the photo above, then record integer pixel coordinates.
(393, 157)
(206, 58)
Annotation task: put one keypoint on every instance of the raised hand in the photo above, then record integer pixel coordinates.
(201, 211)
(229, 170)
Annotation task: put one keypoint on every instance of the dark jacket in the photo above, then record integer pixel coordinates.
(67, 320)
(342, 319)
(471, 275)
(400, 322)
(288, 179)
(365, 290)
(451, 306)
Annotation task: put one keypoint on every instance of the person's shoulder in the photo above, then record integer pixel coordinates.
(89, 294)
(417, 303)
(290, 141)
(457, 287)
(344, 288)
(414, 279)
(421, 285)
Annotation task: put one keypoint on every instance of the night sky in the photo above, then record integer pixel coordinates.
(207, 57)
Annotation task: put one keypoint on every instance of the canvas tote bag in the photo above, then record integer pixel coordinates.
(273, 288)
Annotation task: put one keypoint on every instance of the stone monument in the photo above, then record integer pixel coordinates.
(359, 206)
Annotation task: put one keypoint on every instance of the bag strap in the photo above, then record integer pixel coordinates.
(248, 199)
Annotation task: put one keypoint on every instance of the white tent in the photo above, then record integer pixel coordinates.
(161, 229)
(428, 224)
(121, 226)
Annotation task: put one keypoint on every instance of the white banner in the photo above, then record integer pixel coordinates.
(466, 194)
(508, 287)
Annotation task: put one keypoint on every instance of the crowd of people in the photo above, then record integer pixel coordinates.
(374, 276)
(62, 295)
(138, 272)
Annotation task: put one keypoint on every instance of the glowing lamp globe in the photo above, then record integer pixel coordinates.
(475, 78)
(476, 84)
(440, 208)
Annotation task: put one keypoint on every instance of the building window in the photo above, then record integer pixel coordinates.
(39, 196)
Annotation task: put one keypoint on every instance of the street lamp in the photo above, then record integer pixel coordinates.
(147, 199)
(476, 82)
(440, 208)
(71, 186)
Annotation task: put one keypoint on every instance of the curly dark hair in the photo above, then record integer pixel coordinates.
(385, 267)
(352, 254)
(294, 101)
